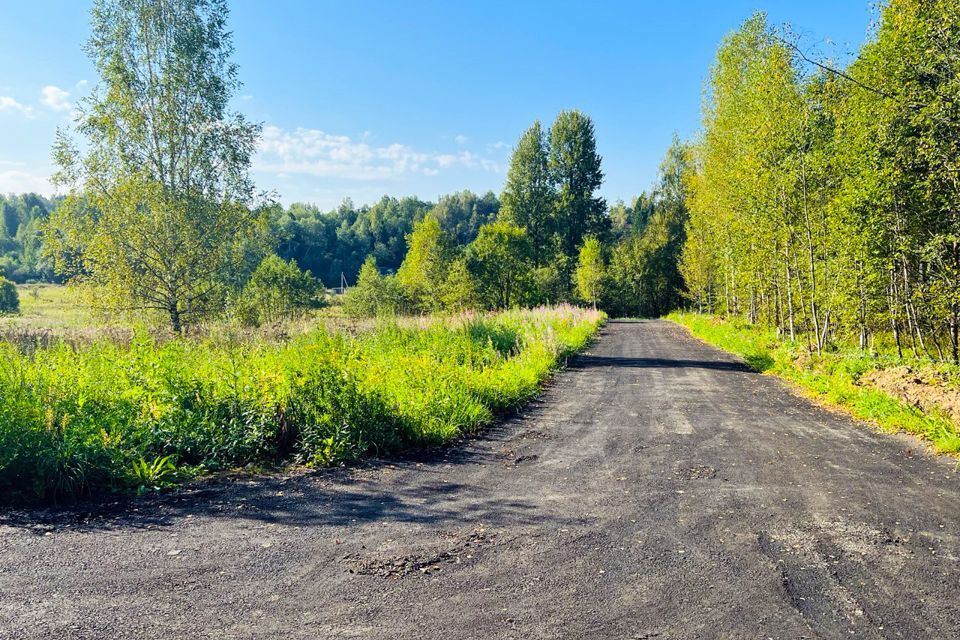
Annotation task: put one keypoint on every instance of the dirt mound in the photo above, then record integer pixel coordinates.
(927, 390)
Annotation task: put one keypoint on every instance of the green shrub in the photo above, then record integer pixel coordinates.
(277, 290)
(9, 298)
(374, 295)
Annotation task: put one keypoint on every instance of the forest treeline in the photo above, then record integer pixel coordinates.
(331, 243)
(825, 200)
(547, 239)
(639, 239)
(818, 198)
(21, 238)
(553, 240)
(327, 243)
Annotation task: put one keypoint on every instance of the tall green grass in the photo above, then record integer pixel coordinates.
(832, 377)
(76, 420)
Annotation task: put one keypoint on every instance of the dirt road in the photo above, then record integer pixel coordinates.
(658, 490)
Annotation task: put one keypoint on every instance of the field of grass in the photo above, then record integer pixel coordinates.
(49, 306)
(111, 416)
(832, 377)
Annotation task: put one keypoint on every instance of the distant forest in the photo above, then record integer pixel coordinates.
(21, 237)
(328, 243)
(325, 243)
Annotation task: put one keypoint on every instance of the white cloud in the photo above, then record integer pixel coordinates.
(460, 139)
(9, 104)
(315, 152)
(19, 181)
(55, 98)
(473, 161)
(496, 146)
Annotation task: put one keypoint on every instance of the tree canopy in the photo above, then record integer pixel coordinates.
(825, 201)
(161, 198)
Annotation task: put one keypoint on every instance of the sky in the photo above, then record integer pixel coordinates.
(360, 99)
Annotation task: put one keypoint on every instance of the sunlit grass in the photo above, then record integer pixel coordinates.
(76, 419)
(49, 306)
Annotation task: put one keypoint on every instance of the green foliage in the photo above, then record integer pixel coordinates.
(500, 260)
(590, 275)
(278, 290)
(9, 298)
(460, 290)
(550, 192)
(575, 167)
(529, 196)
(824, 203)
(160, 199)
(21, 237)
(336, 242)
(152, 476)
(374, 295)
(462, 214)
(423, 273)
(78, 420)
(644, 277)
(549, 283)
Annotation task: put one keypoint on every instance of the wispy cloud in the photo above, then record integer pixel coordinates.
(20, 181)
(318, 153)
(55, 98)
(469, 160)
(9, 104)
(460, 139)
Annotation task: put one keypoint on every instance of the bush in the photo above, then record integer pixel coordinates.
(277, 290)
(375, 295)
(9, 298)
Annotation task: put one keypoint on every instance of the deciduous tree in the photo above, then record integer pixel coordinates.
(161, 196)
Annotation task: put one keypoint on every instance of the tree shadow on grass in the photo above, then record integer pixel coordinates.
(759, 362)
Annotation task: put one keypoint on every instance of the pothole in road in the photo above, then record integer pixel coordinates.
(459, 548)
(511, 457)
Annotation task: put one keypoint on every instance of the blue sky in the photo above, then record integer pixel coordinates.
(360, 99)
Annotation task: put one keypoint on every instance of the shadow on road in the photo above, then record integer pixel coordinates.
(408, 487)
(586, 362)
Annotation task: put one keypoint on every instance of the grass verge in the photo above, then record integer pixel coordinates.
(116, 417)
(832, 377)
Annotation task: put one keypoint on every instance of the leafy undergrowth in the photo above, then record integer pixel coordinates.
(114, 417)
(832, 377)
